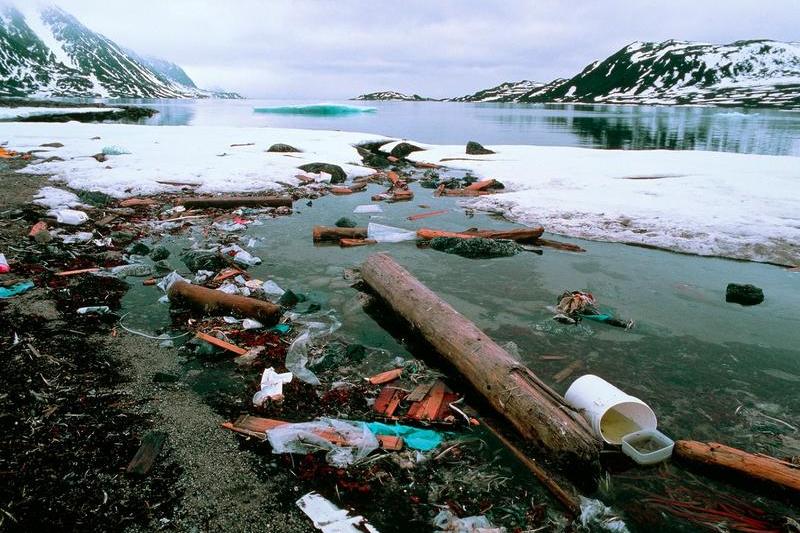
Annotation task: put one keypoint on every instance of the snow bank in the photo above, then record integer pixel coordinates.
(7, 113)
(187, 154)
(708, 203)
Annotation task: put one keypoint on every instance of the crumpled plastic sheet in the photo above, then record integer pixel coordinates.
(304, 437)
(381, 233)
(14, 290)
(167, 281)
(598, 517)
(271, 386)
(317, 325)
(450, 523)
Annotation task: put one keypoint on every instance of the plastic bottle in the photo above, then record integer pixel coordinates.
(4, 264)
(70, 217)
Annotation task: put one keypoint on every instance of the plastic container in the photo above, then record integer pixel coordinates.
(611, 412)
(70, 217)
(94, 310)
(647, 447)
(4, 264)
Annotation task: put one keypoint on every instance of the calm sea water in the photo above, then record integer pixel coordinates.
(760, 131)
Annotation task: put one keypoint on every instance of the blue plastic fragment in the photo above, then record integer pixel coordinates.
(418, 439)
(14, 290)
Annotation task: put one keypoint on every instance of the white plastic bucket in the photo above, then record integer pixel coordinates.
(611, 412)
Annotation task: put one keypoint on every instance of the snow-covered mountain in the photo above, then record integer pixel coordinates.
(48, 52)
(391, 95)
(743, 73)
(505, 92)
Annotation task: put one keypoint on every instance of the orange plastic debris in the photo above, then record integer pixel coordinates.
(37, 228)
(341, 190)
(426, 215)
(75, 272)
(220, 343)
(135, 202)
(386, 377)
(481, 185)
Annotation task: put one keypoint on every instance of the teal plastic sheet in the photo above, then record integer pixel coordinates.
(418, 439)
(14, 290)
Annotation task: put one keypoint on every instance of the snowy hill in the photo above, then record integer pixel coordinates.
(505, 92)
(743, 73)
(48, 52)
(391, 95)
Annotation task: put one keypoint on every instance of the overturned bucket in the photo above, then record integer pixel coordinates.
(611, 412)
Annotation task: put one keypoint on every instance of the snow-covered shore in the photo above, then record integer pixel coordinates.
(706, 203)
(190, 154)
(12, 113)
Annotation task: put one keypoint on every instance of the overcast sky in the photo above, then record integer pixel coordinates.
(341, 48)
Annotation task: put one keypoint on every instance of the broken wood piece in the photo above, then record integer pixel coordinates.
(341, 190)
(420, 391)
(179, 183)
(212, 301)
(147, 453)
(226, 273)
(106, 220)
(481, 185)
(333, 234)
(358, 186)
(568, 371)
(394, 177)
(443, 191)
(242, 144)
(220, 343)
(558, 245)
(350, 243)
(37, 228)
(402, 195)
(568, 499)
(386, 377)
(149, 282)
(255, 426)
(538, 413)
(427, 165)
(137, 202)
(388, 401)
(235, 201)
(754, 466)
(392, 159)
(76, 272)
(427, 215)
(429, 407)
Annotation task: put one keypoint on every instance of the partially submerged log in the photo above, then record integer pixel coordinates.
(754, 466)
(147, 453)
(352, 243)
(539, 414)
(525, 235)
(558, 245)
(333, 234)
(211, 301)
(235, 201)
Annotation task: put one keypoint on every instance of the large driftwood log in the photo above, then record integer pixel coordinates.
(747, 465)
(519, 235)
(539, 414)
(212, 301)
(333, 234)
(236, 201)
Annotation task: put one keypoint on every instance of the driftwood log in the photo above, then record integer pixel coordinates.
(523, 235)
(211, 301)
(333, 234)
(746, 465)
(235, 201)
(538, 413)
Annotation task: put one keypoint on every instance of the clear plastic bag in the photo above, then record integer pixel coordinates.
(317, 325)
(381, 233)
(354, 441)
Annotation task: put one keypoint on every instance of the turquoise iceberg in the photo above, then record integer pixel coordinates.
(316, 109)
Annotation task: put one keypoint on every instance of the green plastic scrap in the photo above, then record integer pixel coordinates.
(418, 439)
(14, 290)
(281, 329)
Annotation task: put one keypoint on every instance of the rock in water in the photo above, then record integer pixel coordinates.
(280, 147)
(345, 222)
(403, 149)
(159, 253)
(338, 175)
(477, 248)
(744, 294)
(474, 148)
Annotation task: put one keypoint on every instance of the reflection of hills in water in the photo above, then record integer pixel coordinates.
(685, 128)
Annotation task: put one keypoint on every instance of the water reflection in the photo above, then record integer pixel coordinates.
(761, 131)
